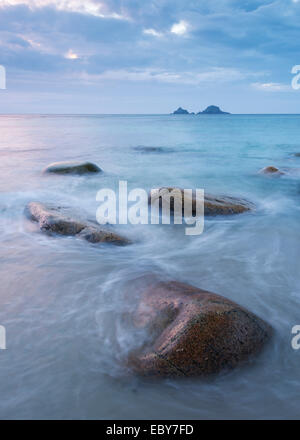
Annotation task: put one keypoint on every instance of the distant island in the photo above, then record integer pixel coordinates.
(213, 110)
(210, 110)
(181, 111)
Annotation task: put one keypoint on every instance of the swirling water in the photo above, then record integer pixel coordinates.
(63, 300)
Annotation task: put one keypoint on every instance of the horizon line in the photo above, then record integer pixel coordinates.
(144, 114)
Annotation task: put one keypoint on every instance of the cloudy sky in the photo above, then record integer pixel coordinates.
(138, 56)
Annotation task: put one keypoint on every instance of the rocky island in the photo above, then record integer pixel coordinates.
(213, 110)
(180, 111)
(210, 110)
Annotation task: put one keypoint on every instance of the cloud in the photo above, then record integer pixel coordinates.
(179, 28)
(215, 75)
(88, 7)
(152, 32)
(271, 87)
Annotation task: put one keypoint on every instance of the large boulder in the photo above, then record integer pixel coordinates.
(72, 168)
(213, 205)
(64, 221)
(193, 332)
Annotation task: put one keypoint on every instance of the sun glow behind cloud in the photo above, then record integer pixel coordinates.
(70, 55)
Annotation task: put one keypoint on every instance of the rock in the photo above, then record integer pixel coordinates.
(213, 205)
(225, 205)
(194, 332)
(143, 149)
(180, 111)
(271, 170)
(213, 110)
(64, 221)
(297, 154)
(72, 168)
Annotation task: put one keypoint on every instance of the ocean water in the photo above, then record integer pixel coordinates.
(64, 302)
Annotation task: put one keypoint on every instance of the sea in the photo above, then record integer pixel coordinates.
(66, 304)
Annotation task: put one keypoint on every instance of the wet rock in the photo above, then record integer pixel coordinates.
(64, 221)
(194, 332)
(72, 168)
(225, 205)
(271, 170)
(213, 205)
(144, 149)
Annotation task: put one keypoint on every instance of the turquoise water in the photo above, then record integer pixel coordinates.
(63, 301)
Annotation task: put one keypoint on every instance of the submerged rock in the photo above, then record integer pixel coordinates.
(194, 332)
(271, 170)
(72, 168)
(213, 205)
(144, 149)
(297, 154)
(64, 221)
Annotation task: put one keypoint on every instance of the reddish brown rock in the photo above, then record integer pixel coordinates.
(64, 221)
(213, 205)
(194, 332)
(271, 170)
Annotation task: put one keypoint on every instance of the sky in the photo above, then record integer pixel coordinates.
(149, 56)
